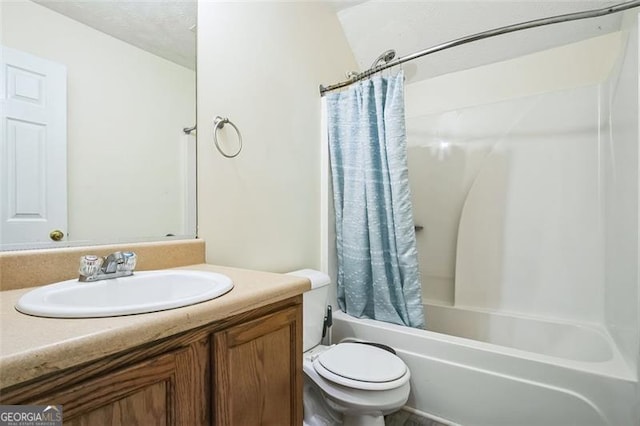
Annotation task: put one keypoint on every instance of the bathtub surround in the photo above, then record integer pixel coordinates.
(509, 237)
(378, 274)
(530, 259)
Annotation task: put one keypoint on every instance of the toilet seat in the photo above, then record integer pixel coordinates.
(361, 366)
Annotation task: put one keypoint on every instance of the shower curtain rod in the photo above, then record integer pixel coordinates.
(620, 7)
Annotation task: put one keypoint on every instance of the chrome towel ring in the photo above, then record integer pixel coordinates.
(218, 123)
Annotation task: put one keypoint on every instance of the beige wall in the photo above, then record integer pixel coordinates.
(260, 64)
(126, 111)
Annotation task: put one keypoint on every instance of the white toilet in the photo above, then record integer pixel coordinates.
(353, 384)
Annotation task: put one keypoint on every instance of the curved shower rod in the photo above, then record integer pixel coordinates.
(620, 7)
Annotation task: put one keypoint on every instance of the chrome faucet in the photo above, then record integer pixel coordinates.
(118, 264)
(111, 262)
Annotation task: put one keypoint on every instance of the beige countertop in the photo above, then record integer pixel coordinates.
(33, 346)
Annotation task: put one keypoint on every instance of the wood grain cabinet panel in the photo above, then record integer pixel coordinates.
(245, 370)
(257, 371)
(158, 391)
(147, 406)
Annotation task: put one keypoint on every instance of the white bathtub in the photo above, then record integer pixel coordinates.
(494, 369)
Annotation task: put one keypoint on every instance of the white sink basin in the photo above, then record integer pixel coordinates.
(142, 292)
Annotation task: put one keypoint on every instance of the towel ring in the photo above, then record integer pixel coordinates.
(218, 123)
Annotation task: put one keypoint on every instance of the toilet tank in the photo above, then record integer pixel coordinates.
(314, 306)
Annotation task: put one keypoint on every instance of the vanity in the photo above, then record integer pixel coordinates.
(233, 360)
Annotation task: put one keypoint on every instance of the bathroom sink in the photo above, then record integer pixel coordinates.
(136, 294)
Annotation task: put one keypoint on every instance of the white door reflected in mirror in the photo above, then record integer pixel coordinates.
(34, 149)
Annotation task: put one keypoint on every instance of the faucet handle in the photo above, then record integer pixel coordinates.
(90, 265)
(130, 261)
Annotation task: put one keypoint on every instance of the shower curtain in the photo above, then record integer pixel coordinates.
(378, 274)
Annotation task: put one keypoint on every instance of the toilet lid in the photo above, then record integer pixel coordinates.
(362, 364)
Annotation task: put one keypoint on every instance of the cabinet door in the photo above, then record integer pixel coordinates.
(168, 389)
(257, 371)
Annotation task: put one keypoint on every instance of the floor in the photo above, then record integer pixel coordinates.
(405, 418)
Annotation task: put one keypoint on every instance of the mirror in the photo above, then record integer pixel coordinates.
(117, 79)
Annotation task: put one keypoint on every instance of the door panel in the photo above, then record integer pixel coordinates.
(33, 165)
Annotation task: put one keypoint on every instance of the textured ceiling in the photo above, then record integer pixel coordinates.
(162, 27)
(374, 26)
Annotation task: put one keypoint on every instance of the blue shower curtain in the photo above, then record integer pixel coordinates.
(378, 274)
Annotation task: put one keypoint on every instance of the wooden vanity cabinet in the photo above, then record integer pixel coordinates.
(244, 370)
(257, 371)
(167, 389)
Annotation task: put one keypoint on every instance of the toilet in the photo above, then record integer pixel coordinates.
(351, 384)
